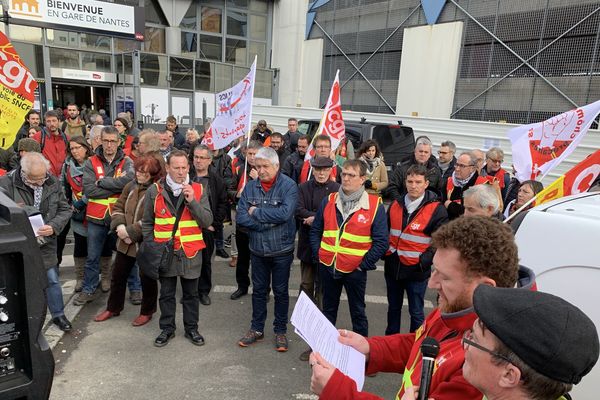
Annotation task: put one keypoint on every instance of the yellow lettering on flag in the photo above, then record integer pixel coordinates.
(552, 192)
(17, 87)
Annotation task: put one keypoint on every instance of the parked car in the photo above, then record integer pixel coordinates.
(559, 242)
(396, 141)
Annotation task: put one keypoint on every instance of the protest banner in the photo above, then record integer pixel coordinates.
(538, 148)
(17, 87)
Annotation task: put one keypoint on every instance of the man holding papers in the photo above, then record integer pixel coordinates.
(470, 251)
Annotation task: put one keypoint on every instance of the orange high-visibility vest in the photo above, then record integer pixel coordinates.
(76, 188)
(188, 235)
(409, 243)
(347, 247)
(98, 208)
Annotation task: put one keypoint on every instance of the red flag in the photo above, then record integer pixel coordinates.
(577, 180)
(208, 139)
(332, 125)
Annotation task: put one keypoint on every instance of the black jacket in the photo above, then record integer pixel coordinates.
(310, 197)
(393, 268)
(456, 209)
(217, 196)
(447, 174)
(293, 166)
(397, 187)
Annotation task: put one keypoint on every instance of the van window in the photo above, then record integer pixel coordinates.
(383, 137)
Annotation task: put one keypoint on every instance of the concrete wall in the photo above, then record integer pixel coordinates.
(299, 61)
(428, 70)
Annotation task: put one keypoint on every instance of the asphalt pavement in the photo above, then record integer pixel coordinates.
(114, 360)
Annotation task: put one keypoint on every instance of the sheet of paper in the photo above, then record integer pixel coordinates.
(320, 334)
(36, 222)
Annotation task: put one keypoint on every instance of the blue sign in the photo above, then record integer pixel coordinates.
(432, 10)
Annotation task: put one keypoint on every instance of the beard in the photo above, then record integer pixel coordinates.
(460, 303)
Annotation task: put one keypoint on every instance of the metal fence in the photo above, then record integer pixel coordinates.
(521, 61)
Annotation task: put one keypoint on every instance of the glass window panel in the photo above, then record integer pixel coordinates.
(214, 2)
(260, 50)
(60, 58)
(238, 3)
(205, 76)
(96, 62)
(125, 45)
(25, 33)
(259, 5)
(154, 40)
(223, 77)
(210, 47)
(153, 69)
(237, 23)
(62, 38)
(189, 44)
(123, 60)
(182, 73)
(154, 13)
(211, 19)
(32, 57)
(94, 42)
(189, 20)
(235, 51)
(258, 27)
(264, 84)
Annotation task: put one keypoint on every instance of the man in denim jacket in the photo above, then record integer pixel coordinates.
(266, 209)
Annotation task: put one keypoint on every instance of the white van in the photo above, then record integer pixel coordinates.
(560, 242)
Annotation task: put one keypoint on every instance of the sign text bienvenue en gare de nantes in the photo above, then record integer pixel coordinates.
(83, 14)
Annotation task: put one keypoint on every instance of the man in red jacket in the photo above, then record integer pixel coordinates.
(53, 142)
(470, 251)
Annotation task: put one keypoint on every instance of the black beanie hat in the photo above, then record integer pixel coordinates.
(549, 334)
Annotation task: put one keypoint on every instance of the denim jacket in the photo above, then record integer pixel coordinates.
(271, 227)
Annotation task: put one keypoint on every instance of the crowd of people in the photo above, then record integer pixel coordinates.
(124, 193)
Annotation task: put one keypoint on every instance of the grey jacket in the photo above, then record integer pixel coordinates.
(54, 208)
(109, 185)
(188, 268)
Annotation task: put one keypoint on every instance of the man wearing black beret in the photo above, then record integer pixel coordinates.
(527, 345)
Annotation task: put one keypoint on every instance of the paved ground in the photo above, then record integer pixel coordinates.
(114, 360)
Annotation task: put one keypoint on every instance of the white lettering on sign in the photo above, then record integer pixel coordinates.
(12, 74)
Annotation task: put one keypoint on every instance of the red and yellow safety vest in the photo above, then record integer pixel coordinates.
(188, 234)
(409, 243)
(98, 208)
(347, 248)
(76, 187)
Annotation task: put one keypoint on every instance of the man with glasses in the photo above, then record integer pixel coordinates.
(105, 174)
(470, 251)
(38, 192)
(464, 176)
(322, 147)
(493, 168)
(446, 162)
(527, 345)
(348, 236)
(261, 133)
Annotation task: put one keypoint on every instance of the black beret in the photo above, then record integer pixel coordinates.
(549, 334)
(321, 162)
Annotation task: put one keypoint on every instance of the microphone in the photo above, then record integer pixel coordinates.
(430, 349)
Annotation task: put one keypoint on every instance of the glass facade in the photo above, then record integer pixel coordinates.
(559, 39)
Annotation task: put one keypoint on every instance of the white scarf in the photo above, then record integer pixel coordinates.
(411, 205)
(177, 187)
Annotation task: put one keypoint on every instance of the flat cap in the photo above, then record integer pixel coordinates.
(549, 334)
(321, 162)
(29, 144)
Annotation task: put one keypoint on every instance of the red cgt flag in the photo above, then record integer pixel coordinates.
(577, 180)
(332, 125)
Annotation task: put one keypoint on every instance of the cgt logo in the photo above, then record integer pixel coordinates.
(29, 8)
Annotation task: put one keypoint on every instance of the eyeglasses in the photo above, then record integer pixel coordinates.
(496, 161)
(467, 341)
(76, 148)
(322, 147)
(349, 176)
(463, 165)
(111, 142)
(36, 181)
(443, 153)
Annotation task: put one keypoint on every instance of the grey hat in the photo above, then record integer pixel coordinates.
(321, 162)
(549, 334)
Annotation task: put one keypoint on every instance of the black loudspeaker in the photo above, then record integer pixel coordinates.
(26, 361)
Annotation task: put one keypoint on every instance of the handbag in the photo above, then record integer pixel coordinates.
(153, 258)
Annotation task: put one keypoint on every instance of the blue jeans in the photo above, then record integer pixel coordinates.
(97, 236)
(263, 270)
(355, 284)
(415, 292)
(54, 293)
(133, 281)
